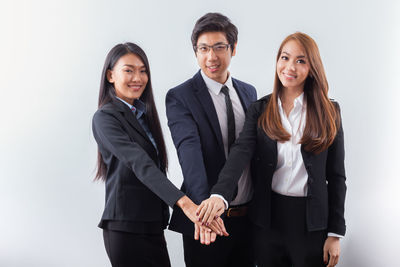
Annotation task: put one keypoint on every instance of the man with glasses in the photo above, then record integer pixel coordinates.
(205, 116)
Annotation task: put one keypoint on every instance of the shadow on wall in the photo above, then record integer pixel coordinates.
(354, 256)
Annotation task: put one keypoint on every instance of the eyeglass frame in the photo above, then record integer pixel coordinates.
(209, 47)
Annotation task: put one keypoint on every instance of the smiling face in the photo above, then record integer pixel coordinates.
(129, 77)
(214, 65)
(293, 66)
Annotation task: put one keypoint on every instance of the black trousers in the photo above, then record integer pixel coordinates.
(234, 250)
(127, 249)
(288, 243)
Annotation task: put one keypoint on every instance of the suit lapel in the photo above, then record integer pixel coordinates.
(207, 104)
(242, 93)
(272, 144)
(131, 119)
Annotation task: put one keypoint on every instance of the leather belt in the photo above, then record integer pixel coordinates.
(238, 211)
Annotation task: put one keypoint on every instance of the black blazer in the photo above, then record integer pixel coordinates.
(136, 188)
(326, 175)
(196, 133)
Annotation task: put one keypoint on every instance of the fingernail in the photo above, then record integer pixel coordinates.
(197, 213)
(206, 223)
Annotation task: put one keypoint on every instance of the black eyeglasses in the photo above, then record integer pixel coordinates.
(217, 48)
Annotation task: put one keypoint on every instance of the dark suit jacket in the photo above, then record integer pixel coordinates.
(196, 133)
(326, 175)
(136, 188)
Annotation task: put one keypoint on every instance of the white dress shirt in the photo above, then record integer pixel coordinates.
(290, 177)
(245, 188)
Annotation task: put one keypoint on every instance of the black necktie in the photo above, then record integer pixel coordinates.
(231, 117)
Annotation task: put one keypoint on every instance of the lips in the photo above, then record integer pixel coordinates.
(289, 76)
(213, 68)
(135, 87)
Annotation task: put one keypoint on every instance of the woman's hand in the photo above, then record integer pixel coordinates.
(331, 251)
(210, 209)
(189, 208)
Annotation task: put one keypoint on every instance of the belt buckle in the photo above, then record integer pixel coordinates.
(228, 214)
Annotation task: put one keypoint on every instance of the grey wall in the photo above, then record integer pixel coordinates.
(52, 54)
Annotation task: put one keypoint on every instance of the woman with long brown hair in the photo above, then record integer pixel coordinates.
(294, 138)
(132, 160)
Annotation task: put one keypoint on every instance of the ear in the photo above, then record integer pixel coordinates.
(109, 76)
(234, 49)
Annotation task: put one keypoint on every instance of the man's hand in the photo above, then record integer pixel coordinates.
(205, 234)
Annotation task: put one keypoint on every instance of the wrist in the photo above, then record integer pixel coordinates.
(334, 238)
(183, 202)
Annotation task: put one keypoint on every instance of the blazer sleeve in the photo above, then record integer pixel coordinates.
(109, 133)
(336, 177)
(240, 154)
(186, 138)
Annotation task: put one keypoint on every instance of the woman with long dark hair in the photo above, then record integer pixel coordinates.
(132, 160)
(294, 137)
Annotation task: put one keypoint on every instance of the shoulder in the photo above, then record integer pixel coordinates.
(186, 87)
(262, 101)
(244, 84)
(248, 87)
(105, 113)
(259, 105)
(183, 86)
(335, 104)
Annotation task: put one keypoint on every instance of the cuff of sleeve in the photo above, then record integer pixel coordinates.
(335, 235)
(221, 197)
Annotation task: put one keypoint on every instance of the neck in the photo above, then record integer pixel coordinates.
(222, 79)
(289, 95)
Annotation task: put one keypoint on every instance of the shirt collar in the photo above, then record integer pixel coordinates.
(138, 106)
(215, 87)
(298, 101)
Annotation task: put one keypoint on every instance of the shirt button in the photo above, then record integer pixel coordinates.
(289, 163)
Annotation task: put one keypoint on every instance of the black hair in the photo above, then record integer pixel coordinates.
(215, 22)
(107, 94)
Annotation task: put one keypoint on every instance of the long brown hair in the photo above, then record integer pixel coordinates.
(107, 94)
(322, 120)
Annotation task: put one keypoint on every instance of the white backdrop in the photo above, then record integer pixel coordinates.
(52, 53)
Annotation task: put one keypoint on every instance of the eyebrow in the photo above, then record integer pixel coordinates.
(212, 44)
(301, 56)
(129, 65)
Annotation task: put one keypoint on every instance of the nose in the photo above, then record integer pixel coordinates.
(291, 66)
(211, 55)
(136, 76)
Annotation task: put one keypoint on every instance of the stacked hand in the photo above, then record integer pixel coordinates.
(210, 209)
(206, 231)
(208, 213)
